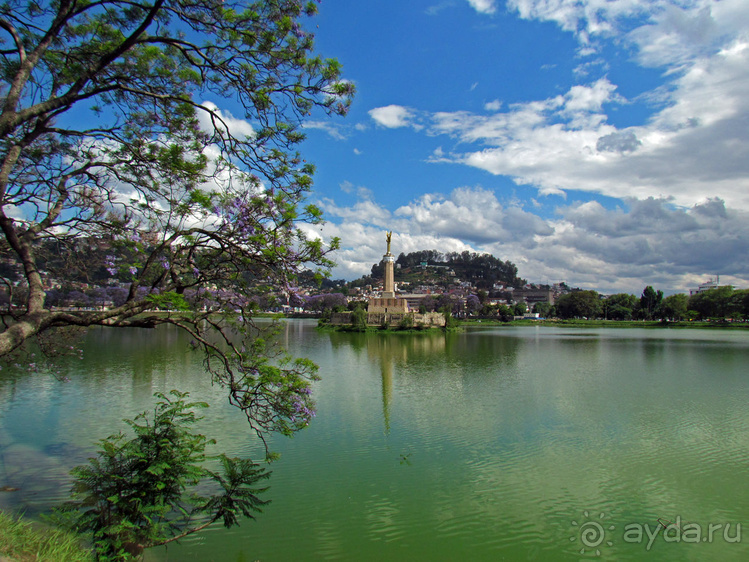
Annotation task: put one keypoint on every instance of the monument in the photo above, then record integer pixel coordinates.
(388, 303)
(389, 310)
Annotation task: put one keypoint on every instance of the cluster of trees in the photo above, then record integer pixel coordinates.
(482, 270)
(116, 296)
(721, 302)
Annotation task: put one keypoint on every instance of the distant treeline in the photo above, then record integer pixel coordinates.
(717, 303)
(482, 270)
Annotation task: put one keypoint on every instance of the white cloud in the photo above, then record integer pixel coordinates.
(470, 214)
(651, 242)
(223, 120)
(494, 105)
(333, 130)
(392, 116)
(697, 144)
(483, 6)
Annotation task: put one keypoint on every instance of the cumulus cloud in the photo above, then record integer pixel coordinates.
(620, 141)
(696, 144)
(654, 240)
(643, 242)
(483, 6)
(676, 35)
(392, 116)
(222, 120)
(471, 214)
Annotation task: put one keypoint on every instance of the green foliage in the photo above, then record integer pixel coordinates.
(407, 322)
(504, 312)
(543, 309)
(674, 307)
(720, 302)
(579, 304)
(359, 318)
(450, 320)
(138, 491)
(649, 302)
(135, 199)
(621, 306)
(168, 301)
(21, 541)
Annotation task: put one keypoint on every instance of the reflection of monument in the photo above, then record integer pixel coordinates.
(388, 303)
(386, 367)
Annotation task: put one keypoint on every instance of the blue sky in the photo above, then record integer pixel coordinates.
(604, 143)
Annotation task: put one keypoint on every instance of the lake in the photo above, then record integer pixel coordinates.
(497, 443)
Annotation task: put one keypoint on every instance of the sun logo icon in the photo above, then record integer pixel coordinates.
(592, 534)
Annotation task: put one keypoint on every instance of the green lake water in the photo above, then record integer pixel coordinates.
(501, 443)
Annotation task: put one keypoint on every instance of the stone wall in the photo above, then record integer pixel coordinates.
(431, 319)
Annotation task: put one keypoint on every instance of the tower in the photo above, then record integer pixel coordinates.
(389, 289)
(388, 303)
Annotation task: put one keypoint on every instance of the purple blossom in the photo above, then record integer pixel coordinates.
(133, 270)
(111, 270)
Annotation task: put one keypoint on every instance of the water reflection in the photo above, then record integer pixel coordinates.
(510, 434)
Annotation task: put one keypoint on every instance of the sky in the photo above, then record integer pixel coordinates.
(603, 143)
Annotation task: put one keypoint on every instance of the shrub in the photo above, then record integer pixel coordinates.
(135, 493)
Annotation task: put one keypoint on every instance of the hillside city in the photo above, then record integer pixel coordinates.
(467, 284)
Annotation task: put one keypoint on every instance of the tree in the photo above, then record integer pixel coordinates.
(134, 494)
(740, 303)
(542, 308)
(649, 302)
(326, 302)
(359, 318)
(110, 147)
(621, 306)
(504, 312)
(675, 306)
(579, 304)
(520, 309)
(713, 303)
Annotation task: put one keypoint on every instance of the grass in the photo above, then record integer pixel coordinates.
(598, 323)
(22, 541)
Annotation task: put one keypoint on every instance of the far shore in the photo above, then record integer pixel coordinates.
(582, 323)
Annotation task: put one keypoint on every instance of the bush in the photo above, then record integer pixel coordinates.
(134, 494)
(359, 319)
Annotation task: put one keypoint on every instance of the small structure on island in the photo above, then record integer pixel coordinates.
(387, 303)
(389, 310)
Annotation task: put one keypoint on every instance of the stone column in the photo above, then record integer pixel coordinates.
(389, 292)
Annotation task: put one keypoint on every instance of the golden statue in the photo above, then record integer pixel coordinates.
(388, 236)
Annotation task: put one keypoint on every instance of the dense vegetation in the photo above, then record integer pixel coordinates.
(21, 541)
(718, 303)
(431, 266)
